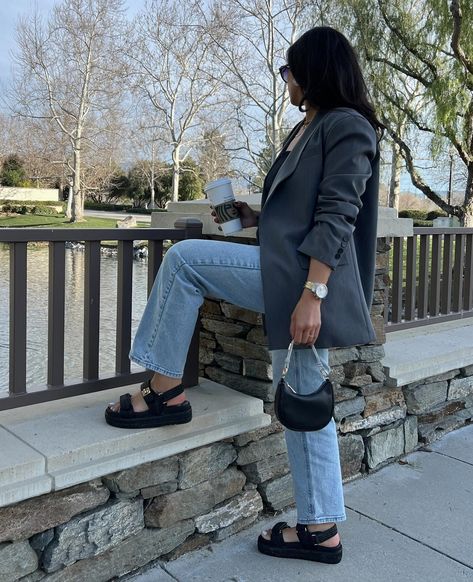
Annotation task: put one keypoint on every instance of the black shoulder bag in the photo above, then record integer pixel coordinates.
(304, 412)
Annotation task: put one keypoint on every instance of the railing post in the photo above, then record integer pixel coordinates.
(193, 228)
(18, 314)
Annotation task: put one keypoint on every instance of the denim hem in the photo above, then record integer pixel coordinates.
(155, 368)
(334, 518)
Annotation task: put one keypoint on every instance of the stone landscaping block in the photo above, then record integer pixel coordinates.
(257, 388)
(371, 353)
(372, 388)
(206, 356)
(41, 513)
(244, 505)
(234, 528)
(93, 533)
(235, 312)
(17, 559)
(202, 464)
(243, 439)
(352, 450)
(424, 396)
(274, 444)
(429, 432)
(132, 553)
(353, 369)
(224, 327)
(383, 400)
(39, 541)
(460, 387)
(207, 343)
(337, 374)
(343, 393)
(161, 489)
(377, 309)
(352, 423)
(467, 370)
(376, 370)
(277, 493)
(257, 369)
(362, 380)
(231, 363)
(349, 407)
(438, 377)
(147, 475)
(410, 434)
(267, 468)
(256, 335)
(210, 307)
(243, 348)
(384, 445)
(339, 356)
(441, 411)
(186, 503)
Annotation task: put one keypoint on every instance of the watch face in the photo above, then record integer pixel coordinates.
(321, 290)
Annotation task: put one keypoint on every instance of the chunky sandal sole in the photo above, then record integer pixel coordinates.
(150, 420)
(327, 556)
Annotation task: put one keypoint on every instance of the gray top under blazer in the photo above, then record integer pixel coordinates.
(323, 203)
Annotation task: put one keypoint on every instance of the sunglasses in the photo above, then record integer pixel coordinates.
(284, 72)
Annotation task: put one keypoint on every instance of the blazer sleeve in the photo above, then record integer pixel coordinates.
(350, 146)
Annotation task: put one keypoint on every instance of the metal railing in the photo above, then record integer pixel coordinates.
(17, 239)
(431, 277)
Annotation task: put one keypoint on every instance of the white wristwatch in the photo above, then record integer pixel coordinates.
(319, 290)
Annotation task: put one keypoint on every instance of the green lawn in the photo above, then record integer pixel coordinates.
(34, 220)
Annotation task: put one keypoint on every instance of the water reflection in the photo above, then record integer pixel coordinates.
(37, 310)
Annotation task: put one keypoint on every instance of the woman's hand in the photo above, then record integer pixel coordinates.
(306, 319)
(247, 215)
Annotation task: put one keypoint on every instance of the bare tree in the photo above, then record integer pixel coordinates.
(167, 52)
(251, 38)
(67, 71)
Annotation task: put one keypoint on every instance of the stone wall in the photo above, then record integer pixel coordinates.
(25, 194)
(109, 527)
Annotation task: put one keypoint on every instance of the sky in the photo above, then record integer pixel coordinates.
(11, 10)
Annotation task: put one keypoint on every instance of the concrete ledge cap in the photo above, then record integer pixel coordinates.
(388, 222)
(59, 444)
(419, 352)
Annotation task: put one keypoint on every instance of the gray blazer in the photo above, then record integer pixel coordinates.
(323, 203)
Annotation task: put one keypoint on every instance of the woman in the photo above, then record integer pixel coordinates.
(312, 277)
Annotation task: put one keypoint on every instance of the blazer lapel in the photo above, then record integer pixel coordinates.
(290, 163)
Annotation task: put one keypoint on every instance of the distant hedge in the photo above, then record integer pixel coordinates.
(120, 208)
(421, 214)
(40, 207)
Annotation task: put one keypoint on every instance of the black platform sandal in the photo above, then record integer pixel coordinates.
(158, 413)
(306, 548)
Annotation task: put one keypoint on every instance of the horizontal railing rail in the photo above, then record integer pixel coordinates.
(17, 238)
(431, 277)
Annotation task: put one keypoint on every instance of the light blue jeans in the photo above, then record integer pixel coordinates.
(196, 268)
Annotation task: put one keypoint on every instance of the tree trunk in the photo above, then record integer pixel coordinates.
(468, 216)
(394, 186)
(176, 164)
(77, 202)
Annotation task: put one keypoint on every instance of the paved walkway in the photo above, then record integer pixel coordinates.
(410, 521)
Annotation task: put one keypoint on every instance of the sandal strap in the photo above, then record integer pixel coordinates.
(155, 400)
(309, 538)
(126, 407)
(276, 533)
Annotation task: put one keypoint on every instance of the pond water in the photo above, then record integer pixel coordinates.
(37, 308)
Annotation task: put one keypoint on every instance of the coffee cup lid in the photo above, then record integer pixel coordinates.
(216, 184)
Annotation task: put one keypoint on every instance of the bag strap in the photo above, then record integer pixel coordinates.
(324, 372)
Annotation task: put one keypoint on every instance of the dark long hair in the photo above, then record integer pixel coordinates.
(326, 66)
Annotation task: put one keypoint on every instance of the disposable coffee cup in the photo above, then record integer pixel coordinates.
(221, 197)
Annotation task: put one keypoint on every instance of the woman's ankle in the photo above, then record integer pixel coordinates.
(160, 383)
